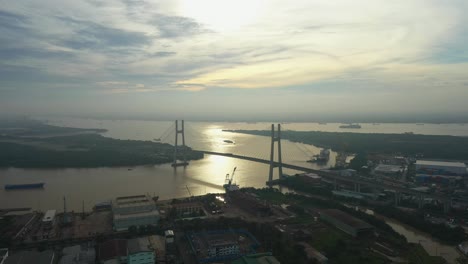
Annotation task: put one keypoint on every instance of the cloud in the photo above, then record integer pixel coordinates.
(177, 26)
(174, 47)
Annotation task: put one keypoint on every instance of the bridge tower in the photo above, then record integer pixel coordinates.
(178, 131)
(275, 137)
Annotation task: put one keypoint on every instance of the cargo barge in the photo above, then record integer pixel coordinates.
(39, 185)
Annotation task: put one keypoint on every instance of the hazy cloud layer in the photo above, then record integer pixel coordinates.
(254, 56)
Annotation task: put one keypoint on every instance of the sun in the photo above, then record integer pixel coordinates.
(222, 15)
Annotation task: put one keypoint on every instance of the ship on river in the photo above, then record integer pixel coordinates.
(39, 185)
(351, 126)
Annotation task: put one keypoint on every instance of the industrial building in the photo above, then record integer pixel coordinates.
(389, 170)
(134, 211)
(346, 223)
(310, 178)
(427, 167)
(188, 209)
(28, 257)
(217, 246)
(140, 251)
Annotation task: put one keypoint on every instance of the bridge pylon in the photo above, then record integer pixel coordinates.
(275, 137)
(181, 131)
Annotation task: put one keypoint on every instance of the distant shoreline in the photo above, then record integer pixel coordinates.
(423, 146)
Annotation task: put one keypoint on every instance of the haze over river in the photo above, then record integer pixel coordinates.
(202, 176)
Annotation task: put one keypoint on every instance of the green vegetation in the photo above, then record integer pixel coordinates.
(274, 196)
(430, 146)
(84, 151)
(442, 232)
(416, 254)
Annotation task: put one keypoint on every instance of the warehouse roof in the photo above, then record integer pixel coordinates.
(440, 163)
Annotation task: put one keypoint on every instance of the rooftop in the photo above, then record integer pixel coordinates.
(441, 163)
(130, 201)
(388, 168)
(137, 214)
(346, 218)
(112, 249)
(49, 216)
(137, 245)
(28, 257)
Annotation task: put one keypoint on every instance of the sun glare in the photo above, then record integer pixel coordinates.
(222, 15)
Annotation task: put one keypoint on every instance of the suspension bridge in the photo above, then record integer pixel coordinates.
(295, 159)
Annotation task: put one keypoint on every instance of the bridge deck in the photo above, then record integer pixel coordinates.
(333, 176)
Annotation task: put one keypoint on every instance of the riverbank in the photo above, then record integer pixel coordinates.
(428, 146)
(31, 144)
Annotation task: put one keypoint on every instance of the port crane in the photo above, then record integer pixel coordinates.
(230, 178)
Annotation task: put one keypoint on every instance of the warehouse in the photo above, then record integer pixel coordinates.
(136, 210)
(346, 223)
(427, 167)
(221, 245)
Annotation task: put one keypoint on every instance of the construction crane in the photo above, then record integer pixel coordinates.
(229, 178)
(229, 186)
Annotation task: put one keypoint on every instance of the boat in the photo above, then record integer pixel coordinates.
(39, 185)
(324, 156)
(229, 186)
(351, 126)
(157, 139)
(228, 141)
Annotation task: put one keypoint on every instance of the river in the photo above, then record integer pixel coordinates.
(432, 246)
(200, 177)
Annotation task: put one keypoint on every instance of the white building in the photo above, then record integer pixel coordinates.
(389, 170)
(440, 168)
(48, 220)
(134, 211)
(223, 248)
(140, 251)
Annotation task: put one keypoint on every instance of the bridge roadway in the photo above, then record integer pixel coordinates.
(332, 176)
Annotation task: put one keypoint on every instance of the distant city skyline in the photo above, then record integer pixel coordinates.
(250, 60)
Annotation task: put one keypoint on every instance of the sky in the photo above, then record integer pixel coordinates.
(235, 60)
